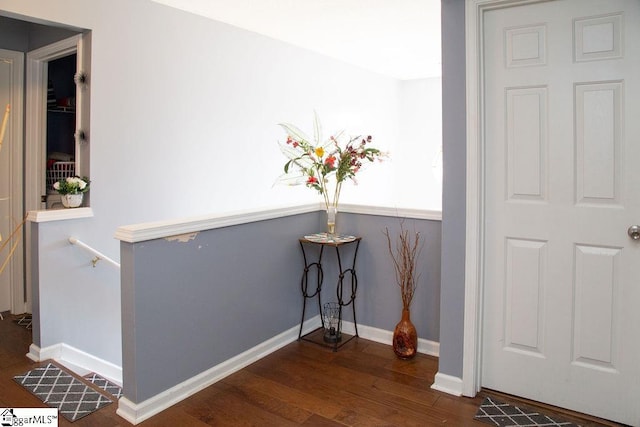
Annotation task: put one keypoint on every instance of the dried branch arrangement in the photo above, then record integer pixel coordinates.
(405, 257)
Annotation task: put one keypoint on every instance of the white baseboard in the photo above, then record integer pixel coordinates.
(447, 384)
(77, 361)
(137, 412)
(383, 336)
(34, 353)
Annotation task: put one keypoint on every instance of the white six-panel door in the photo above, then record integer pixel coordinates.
(561, 303)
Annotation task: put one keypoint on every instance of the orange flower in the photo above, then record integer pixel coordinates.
(330, 161)
(325, 169)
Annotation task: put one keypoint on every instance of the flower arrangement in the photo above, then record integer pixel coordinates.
(72, 185)
(318, 163)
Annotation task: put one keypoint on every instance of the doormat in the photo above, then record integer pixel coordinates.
(25, 321)
(497, 413)
(104, 384)
(58, 389)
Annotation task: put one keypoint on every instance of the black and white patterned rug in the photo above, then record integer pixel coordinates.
(59, 389)
(25, 321)
(104, 384)
(493, 411)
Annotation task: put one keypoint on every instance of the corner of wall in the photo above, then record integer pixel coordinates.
(447, 384)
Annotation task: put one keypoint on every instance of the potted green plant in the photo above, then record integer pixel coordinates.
(72, 190)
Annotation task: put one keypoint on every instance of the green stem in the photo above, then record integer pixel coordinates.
(323, 185)
(336, 195)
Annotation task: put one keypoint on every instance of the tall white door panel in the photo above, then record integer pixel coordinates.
(561, 303)
(11, 183)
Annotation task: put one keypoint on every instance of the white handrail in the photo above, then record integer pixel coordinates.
(98, 255)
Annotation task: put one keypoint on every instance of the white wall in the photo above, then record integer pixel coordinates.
(408, 179)
(183, 123)
(419, 147)
(79, 304)
(216, 96)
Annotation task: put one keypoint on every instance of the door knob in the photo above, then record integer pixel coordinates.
(634, 232)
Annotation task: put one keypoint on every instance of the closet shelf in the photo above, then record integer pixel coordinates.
(67, 110)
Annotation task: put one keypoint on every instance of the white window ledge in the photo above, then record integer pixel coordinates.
(59, 214)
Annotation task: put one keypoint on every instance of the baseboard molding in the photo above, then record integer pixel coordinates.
(34, 353)
(76, 360)
(137, 412)
(383, 336)
(447, 384)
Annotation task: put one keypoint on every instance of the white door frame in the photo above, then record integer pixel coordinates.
(37, 61)
(36, 133)
(474, 250)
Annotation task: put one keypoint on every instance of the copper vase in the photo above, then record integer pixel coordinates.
(405, 337)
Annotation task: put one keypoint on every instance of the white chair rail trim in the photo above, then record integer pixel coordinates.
(157, 230)
(59, 214)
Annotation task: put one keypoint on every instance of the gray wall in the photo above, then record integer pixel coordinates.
(379, 303)
(14, 34)
(454, 188)
(35, 299)
(24, 36)
(187, 307)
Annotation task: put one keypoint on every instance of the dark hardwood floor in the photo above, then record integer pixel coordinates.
(363, 384)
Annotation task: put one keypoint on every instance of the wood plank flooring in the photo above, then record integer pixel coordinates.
(303, 384)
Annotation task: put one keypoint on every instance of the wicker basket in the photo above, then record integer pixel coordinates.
(58, 171)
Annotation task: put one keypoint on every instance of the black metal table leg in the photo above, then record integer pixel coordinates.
(304, 284)
(340, 290)
(343, 275)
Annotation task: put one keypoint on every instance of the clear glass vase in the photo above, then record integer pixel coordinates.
(331, 316)
(332, 213)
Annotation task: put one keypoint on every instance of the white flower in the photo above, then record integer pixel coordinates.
(72, 185)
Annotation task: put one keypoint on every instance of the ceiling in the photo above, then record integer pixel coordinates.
(398, 38)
